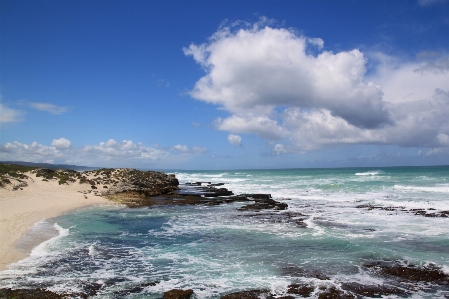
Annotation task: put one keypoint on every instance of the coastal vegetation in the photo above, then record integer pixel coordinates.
(13, 170)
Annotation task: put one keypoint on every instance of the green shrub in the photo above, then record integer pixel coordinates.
(63, 179)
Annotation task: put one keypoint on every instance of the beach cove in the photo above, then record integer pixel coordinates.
(21, 209)
(29, 196)
(346, 233)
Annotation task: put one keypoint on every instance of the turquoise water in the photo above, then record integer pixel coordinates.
(215, 250)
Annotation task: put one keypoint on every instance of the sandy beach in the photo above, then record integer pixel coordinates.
(20, 209)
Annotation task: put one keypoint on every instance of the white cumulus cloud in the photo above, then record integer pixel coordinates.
(235, 139)
(256, 69)
(283, 86)
(259, 124)
(61, 143)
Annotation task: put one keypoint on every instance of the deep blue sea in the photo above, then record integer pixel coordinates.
(215, 250)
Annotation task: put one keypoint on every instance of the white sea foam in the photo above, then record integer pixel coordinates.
(445, 269)
(41, 249)
(373, 172)
(317, 229)
(441, 188)
(413, 204)
(92, 250)
(38, 233)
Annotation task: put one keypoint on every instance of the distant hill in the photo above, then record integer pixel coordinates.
(51, 166)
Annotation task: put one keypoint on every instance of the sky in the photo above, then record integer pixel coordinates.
(225, 84)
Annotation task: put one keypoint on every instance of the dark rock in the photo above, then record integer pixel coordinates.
(419, 212)
(429, 273)
(333, 293)
(178, 294)
(371, 290)
(263, 202)
(90, 288)
(136, 289)
(251, 294)
(258, 196)
(363, 206)
(302, 290)
(278, 217)
(30, 294)
(216, 185)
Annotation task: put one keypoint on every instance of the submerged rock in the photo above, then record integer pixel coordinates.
(263, 202)
(300, 289)
(251, 294)
(278, 217)
(371, 290)
(430, 212)
(133, 289)
(334, 293)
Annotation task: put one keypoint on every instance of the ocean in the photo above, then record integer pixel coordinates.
(339, 223)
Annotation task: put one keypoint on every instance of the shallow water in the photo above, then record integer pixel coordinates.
(215, 250)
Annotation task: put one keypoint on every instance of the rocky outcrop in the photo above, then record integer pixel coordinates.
(178, 294)
(429, 273)
(198, 193)
(136, 183)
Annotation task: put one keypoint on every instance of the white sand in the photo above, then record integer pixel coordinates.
(20, 209)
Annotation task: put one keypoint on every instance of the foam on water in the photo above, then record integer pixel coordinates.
(38, 233)
(443, 188)
(42, 249)
(374, 172)
(217, 249)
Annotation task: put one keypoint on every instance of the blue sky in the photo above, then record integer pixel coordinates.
(225, 84)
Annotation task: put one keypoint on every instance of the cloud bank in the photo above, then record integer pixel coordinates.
(286, 87)
(111, 153)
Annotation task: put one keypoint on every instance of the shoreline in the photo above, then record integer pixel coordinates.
(39, 200)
